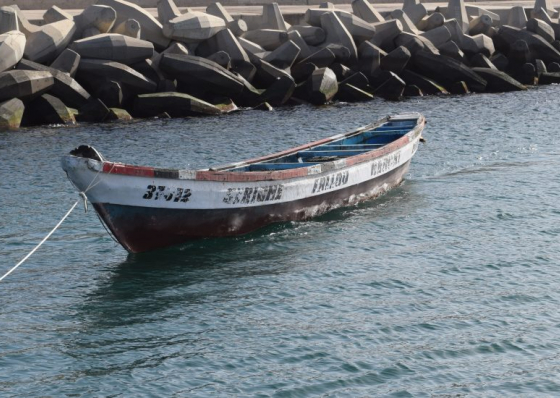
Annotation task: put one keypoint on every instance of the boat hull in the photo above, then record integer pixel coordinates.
(140, 229)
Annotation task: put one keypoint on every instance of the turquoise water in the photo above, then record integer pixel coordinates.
(447, 286)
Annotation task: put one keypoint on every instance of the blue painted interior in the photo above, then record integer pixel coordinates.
(363, 142)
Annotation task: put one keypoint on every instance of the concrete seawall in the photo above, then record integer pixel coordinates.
(115, 60)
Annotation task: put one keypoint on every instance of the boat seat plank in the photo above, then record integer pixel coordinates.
(349, 146)
(334, 153)
(278, 166)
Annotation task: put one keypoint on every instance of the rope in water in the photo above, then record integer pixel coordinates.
(43, 241)
(82, 197)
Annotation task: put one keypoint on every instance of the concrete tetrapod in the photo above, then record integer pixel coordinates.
(539, 47)
(338, 34)
(130, 27)
(167, 10)
(46, 44)
(269, 39)
(364, 10)
(64, 86)
(456, 10)
(415, 10)
(447, 71)
(95, 16)
(55, 14)
(312, 35)
(11, 113)
(542, 29)
(201, 74)
(237, 27)
(24, 84)
(193, 27)
(114, 47)
(431, 22)
(284, 56)
(12, 45)
(47, 109)
(67, 62)
(8, 20)
(151, 28)
(321, 86)
(396, 60)
(112, 70)
(497, 81)
(175, 104)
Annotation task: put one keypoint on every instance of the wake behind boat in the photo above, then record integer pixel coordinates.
(147, 208)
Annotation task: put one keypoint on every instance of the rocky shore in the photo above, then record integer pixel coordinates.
(115, 61)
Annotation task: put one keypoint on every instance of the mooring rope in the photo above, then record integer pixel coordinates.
(83, 197)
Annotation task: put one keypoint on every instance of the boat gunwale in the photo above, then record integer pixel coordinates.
(225, 174)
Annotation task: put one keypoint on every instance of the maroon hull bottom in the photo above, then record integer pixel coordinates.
(141, 229)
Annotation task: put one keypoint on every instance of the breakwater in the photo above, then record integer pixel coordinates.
(115, 61)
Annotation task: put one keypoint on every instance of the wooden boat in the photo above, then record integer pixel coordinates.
(147, 208)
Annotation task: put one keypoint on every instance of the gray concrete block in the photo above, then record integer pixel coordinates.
(396, 60)
(364, 10)
(200, 73)
(130, 28)
(321, 86)
(519, 53)
(100, 17)
(175, 104)
(114, 47)
(24, 25)
(438, 36)
(46, 44)
(305, 51)
(477, 44)
(411, 42)
(553, 67)
(430, 22)
(448, 71)
(12, 45)
(24, 84)
(357, 27)
(251, 47)
(167, 10)
(542, 15)
(221, 58)
(272, 18)
(269, 39)
(151, 28)
(338, 34)
(8, 20)
(498, 81)
(539, 47)
(55, 14)
(112, 70)
(226, 41)
(266, 73)
(64, 87)
(392, 89)
(407, 24)
(385, 33)
(95, 111)
(47, 109)
(456, 10)
(480, 24)
(90, 32)
(542, 29)
(193, 27)
(482, 61)
(428, 86)
(546, 5)
(475, 11)
(540, 67)
(452, 50)
(350, 93)
(284, 56)
(415, 10)
(312, 35)
(110, 92)
(517, 17)
(237, 27)
(370, 58)
(279, 92)
(11, 113)
(118, 115)
(321, 59)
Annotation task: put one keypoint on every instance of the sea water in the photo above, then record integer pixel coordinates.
(449, 285)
